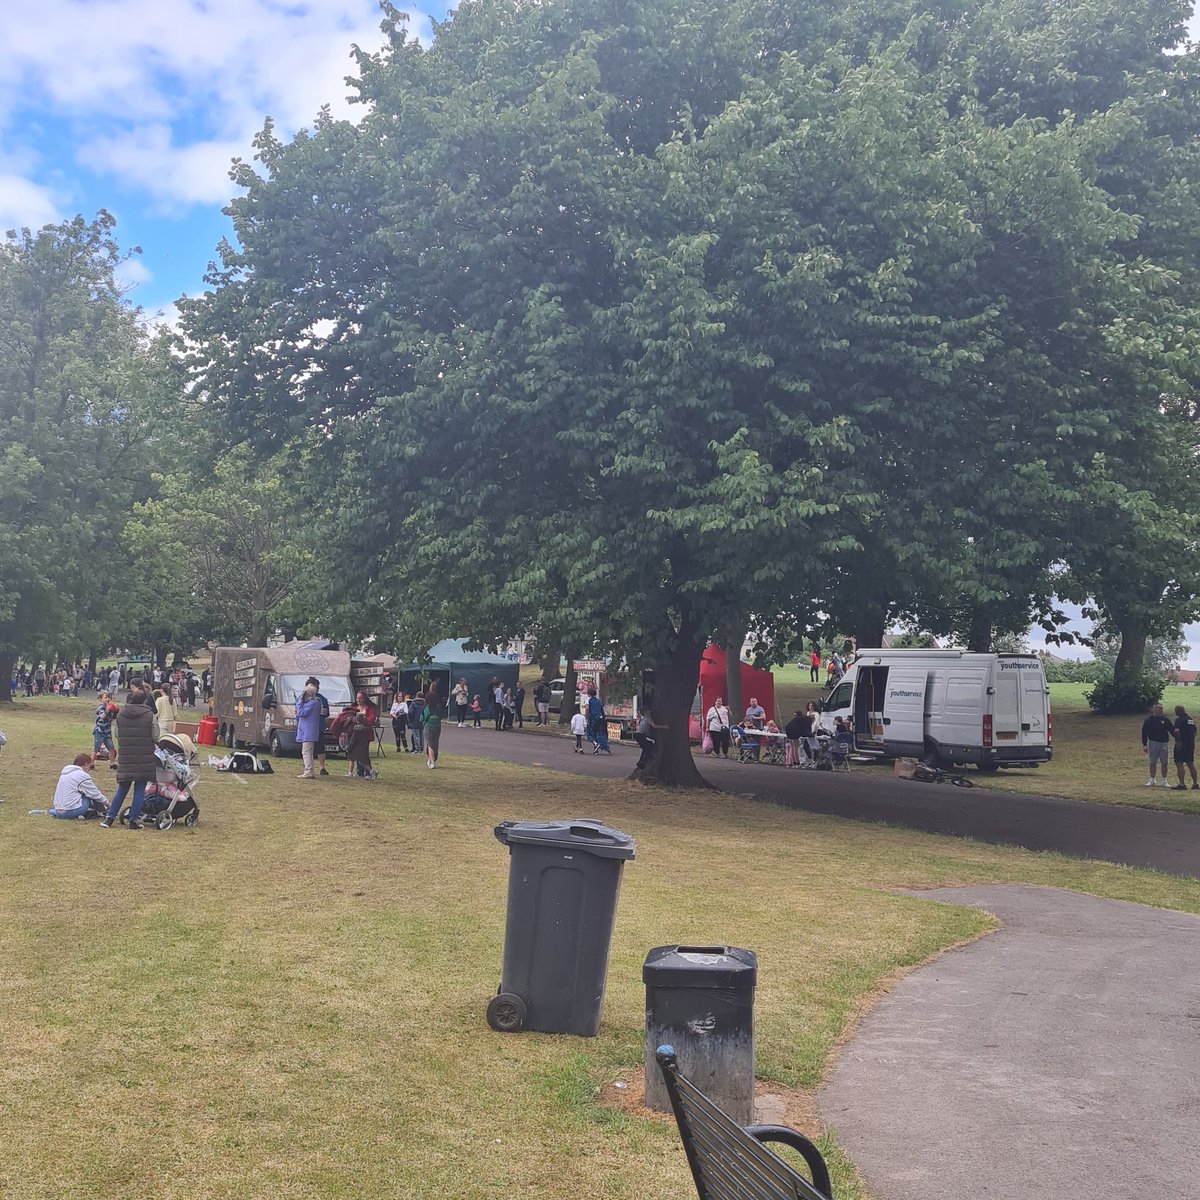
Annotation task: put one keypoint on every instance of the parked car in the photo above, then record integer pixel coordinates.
(558, 688)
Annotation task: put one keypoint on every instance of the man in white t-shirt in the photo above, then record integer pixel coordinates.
(717, 720)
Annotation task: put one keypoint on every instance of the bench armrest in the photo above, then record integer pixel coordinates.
(805, 1147)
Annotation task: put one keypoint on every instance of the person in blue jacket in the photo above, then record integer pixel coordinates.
(308, 728)
(597, 723)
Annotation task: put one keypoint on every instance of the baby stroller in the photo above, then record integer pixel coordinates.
(170, 798)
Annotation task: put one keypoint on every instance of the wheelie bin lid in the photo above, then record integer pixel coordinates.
(701, 967)
(580, 834)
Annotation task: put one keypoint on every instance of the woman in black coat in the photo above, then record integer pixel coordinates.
(137, 739)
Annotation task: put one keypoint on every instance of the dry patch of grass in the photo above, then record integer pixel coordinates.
(289, 999)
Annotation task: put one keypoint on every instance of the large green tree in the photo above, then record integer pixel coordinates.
(73, 372)
(636, 321)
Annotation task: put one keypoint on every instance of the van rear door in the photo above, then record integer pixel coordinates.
(1021, 703)
(904, 710)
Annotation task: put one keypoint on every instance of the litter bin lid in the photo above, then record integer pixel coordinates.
(581, 834)
(701, 967)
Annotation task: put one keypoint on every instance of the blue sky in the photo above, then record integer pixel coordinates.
(138, 106)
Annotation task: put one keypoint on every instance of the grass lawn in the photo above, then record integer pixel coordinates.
(289, 999)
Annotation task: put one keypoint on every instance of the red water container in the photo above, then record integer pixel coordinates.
(207, 734)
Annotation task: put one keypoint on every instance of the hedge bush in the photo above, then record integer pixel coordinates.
(1111, 698)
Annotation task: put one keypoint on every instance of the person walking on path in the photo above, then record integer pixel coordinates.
(579, 728)
(597, 723)
(308, 727)
(137, 736)
(519, 705)
(498, 703)
(1157, 732)
(718, 722)
(431, 724)
(1185, 747)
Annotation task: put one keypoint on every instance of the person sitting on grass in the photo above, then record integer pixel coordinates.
(76, 796)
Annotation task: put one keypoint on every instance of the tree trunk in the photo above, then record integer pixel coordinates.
(1132, 655)
(8, 663)
(93, 655)
(979, 633)
(872, 622)
(672, 762)
(549, 660)
(567, 711)
(733, 675)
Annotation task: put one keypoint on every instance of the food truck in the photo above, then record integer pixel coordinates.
(255, 689)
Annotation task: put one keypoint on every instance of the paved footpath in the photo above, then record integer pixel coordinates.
(1137, 837)
(1057, 1057)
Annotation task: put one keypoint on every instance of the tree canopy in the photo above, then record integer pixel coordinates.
(641, 322)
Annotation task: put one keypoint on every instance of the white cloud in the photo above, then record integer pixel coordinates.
(25, 203)
(164, 93)
(133, 272)
(147, 158)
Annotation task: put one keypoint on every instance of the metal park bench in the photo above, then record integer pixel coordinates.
(732, 1163)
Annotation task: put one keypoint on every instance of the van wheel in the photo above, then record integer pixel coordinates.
(276, 744)
(229, 737)
(988, 768)
(931, 757)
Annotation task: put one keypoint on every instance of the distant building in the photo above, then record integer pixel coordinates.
(1183, 678)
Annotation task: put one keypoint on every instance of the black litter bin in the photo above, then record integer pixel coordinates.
(563, 881)
(700, 1000)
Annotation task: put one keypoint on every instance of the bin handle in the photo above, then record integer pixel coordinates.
(701, 949)
(586, 831)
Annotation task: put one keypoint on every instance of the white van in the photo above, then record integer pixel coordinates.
(946, 706)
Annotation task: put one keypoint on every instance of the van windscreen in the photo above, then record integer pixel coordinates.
(336, 690)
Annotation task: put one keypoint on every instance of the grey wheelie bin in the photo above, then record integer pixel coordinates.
(563, 882)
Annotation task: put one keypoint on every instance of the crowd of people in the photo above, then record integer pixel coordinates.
(183, 686)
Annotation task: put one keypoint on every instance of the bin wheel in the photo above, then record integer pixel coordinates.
(506, 1013)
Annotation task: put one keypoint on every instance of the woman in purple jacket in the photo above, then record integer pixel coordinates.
(308, 728)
